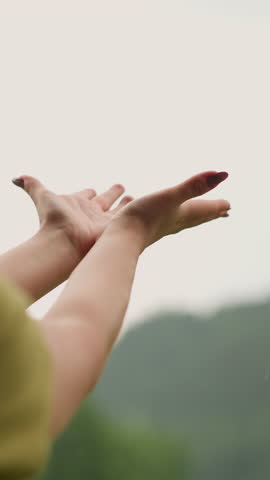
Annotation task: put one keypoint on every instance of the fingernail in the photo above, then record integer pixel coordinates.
(217, 178)
(19, 182)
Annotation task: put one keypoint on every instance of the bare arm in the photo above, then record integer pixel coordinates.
(41, 263)
(69, 227)
(82, 326)
(87, 317)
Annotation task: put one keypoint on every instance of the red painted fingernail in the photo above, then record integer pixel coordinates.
(214, 180)
(19, 182)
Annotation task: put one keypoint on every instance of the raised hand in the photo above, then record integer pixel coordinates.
(82, 326)
(82, 215)
(173, 209)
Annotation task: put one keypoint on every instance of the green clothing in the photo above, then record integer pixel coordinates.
(25, 389)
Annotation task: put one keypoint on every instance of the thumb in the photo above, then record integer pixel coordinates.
(31, 185)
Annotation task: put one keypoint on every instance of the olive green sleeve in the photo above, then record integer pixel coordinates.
(25, 389)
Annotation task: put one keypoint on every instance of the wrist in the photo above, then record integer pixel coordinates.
(78, 239)
(60, 242)
(131, 226)
(41, 263)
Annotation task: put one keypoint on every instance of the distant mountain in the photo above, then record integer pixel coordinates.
(206, 379)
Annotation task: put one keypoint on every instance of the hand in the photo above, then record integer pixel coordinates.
(83, 215)
(171, 210)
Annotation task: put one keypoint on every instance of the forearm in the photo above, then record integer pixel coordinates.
(99, 289)
(40, 264)
(83, 324)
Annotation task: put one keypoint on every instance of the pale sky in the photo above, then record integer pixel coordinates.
(145, 93)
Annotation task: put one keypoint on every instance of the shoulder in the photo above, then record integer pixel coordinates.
(25, 386)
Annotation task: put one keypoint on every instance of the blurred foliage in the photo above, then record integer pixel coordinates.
(181, 397)
(94, 448)
(206, 379)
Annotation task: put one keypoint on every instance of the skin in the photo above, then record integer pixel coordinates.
(82, 326)
(69, 227)
(174, 209)
(82, 216)
(98, 249)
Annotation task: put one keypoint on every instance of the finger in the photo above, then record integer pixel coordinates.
(107, 198)
(31, 185)
(224, 214)
(195, 212)
(86, 193)
(123, 202)
(198, 185)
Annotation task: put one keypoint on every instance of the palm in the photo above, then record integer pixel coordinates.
(82, 215)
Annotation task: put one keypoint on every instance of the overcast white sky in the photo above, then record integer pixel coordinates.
(145, 93)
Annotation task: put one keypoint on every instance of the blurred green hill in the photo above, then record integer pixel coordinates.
(205, 379)
(95, 448)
